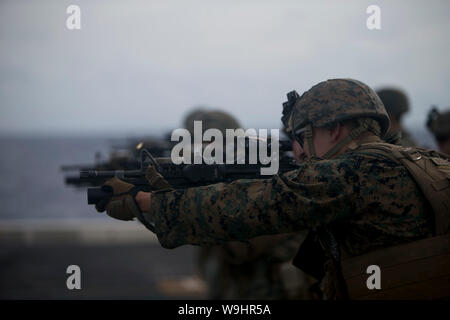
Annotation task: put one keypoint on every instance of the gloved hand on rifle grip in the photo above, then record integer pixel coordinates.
(156, 180)
(122, 204)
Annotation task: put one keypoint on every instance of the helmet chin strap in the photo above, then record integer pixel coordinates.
(309, 140)
(353, 135)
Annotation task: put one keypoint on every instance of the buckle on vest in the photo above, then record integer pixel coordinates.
(416, 156)
(413, 155)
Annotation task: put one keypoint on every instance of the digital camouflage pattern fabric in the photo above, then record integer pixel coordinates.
(338, 100)
(367, 200)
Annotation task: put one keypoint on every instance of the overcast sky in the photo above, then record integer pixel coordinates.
(139, 66)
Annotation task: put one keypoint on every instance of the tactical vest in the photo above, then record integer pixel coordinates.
(419, 269)
(416, 270)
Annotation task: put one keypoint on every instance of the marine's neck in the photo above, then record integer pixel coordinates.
(366, 137)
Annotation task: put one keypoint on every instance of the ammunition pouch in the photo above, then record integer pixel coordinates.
(415, 270)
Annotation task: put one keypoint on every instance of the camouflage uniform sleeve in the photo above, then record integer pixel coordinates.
(317, 193)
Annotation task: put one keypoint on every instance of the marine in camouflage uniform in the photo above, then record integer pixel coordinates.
(439, 124)
(397, 105)
(366, 201)
(369, 200)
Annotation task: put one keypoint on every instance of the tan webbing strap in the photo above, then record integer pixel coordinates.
(309, 139)
(432, 181)
(440, 203)
(353, 135)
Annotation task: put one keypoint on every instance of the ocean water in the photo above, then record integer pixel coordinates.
(32, 183)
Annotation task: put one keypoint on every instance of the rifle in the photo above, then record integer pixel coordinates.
(180, 176)
(81, 180)
(123, 158)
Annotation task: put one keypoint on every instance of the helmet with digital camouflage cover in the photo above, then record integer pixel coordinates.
(395, 101)
(211, 119)
(439, 123)
(338, 100)
(335, 101)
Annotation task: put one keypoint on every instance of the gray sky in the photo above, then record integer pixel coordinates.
(139, 66)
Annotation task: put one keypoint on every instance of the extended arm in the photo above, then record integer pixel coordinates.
(309, 197)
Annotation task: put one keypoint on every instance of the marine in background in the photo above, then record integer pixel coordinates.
(397, 105)
(256, 269)
(439, 125)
